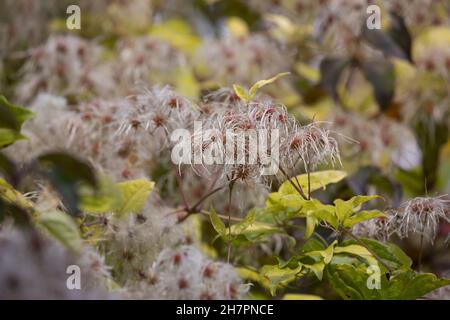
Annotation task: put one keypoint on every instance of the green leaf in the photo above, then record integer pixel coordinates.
(241, 93)
(391, 254)
(11, 195)
(311, 223)
(258, 230)
(9, 169)
(357, 201)
(293, 201)
(409, 285)
(401, 35)
(12, 116)
(246, 230)
(318, 180)
(240, 227)
(107, 198)
(357, 250)
(312, 245)
(362, 216)
(316, 268)
(386, 43)
(67, 173)
(178, 33)
(62, 227)
(252, 275)
(320, 211)
(278, 277)
(258, 85)
(331, 70)
(11, 119)
(326, 255)
(134, 195)
(343, 209)
(14, 205)
(218, 224)
(351, 282)
(9, 136)
(381, 75)
(321, 258)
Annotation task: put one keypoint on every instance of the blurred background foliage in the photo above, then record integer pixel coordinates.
(386, 93)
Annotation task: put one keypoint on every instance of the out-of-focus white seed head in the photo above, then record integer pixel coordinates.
(421, 216)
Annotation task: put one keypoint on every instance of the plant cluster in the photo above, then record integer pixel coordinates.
(357, 125)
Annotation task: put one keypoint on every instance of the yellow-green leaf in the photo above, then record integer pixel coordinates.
(134, 193)
(319, 179)
(241, 93)
(357, 250)
(362, 216)
(357, 201)
(278, 277)
(237, 26)
(106, 198)
(311, 223)
(343, 209)
(217, 223)
(178, 33)
(240, 227)
(261, 83)
(316, 268)
(8, 193)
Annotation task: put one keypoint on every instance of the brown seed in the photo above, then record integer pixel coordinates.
(183, 284)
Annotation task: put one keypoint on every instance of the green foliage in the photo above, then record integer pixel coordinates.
(134, 194)
(331, 70)
(121, 198)
(62, 227)
(379, 72)
(304, 234)
(278, 277)
(396, 42)
(66, 173)
(318, 180)
(350, 282)
(106, 198)
(11, 195)
(245, 231)
(241, 93)
(12, 118)
(347, 264)
(389, 253)
(381, 75)
(341, 214)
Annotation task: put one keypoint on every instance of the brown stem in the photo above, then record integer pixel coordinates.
(231, 185)
(206, 196)
(223, 217)
(180, 187)
(298, 187)
(309, 182)
(419, 260)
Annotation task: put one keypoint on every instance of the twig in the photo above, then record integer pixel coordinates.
(298, 188)
(309, 181)
(223, 217)
(206, 196)
(231, 185)
(180, 187)
(419, 261)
